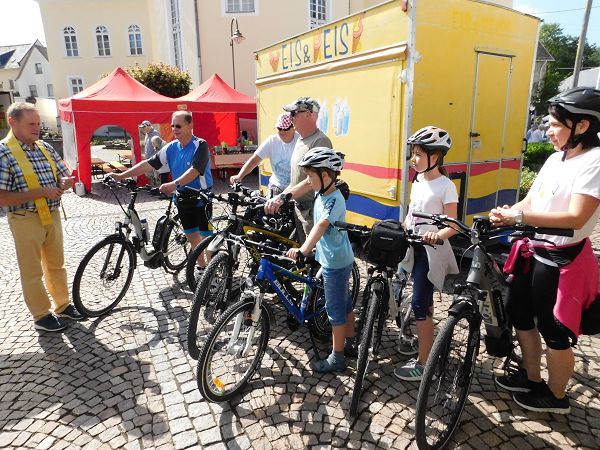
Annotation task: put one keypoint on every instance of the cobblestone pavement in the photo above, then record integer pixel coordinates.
(125, 381)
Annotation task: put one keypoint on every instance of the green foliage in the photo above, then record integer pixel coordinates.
(527, 177)
(162, 78)
(536, 154)
(564, 49)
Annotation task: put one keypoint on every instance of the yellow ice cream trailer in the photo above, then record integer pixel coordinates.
(381, 74)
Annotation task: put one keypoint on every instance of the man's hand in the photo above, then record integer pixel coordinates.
(235, 179)
(168, 188)
(272, 205)
(65, 183)
(52, 193)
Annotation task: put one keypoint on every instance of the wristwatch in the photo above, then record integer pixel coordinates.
(519, 217)
(177, 183)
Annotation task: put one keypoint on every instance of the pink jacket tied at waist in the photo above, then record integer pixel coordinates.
(577, 283)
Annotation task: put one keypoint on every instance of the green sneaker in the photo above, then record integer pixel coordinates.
(411, 371)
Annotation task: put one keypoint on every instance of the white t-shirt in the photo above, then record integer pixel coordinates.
(279, 154)
(551, 191)
(430, 197)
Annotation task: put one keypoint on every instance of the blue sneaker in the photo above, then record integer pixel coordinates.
(50, 323)
(70, 312)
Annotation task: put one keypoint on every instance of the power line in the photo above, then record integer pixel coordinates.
(564, 10)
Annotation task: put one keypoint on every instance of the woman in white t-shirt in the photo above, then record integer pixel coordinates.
(434, 193)
(278, 148)
(561, 281)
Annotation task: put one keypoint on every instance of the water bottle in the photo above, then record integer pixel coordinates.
(144, 226)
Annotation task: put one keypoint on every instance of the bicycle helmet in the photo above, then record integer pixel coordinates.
(580, 100)
(323, 158)
(582, 103)
(431, 139)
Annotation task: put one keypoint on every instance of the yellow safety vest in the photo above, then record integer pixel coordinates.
(31, 178)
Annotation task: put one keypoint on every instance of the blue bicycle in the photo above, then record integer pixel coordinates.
(236, 344)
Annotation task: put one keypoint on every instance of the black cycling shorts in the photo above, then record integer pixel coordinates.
(534, 296)
(195, 217)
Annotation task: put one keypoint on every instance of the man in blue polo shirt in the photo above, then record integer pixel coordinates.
(189, 160)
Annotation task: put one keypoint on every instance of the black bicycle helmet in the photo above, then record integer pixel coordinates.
(581, 100)
(580, 103)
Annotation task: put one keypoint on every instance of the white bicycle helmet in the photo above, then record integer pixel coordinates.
(432, 138)
(323, 158)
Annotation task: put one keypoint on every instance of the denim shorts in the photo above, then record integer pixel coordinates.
(338, 300)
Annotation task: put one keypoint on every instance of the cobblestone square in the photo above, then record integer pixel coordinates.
(125, 381)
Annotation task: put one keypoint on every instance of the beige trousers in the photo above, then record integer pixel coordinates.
(40, 253)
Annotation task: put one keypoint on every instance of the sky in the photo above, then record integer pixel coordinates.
(25, 23)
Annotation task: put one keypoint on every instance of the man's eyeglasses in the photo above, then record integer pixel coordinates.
(176, 126)
(295, 113)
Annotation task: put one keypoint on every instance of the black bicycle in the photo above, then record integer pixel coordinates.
(378, 292)
(105, 272)
(450, 367)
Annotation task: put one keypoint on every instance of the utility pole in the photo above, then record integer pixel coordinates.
(581, 45)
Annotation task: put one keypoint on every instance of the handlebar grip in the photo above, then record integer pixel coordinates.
(439, 242)
(422, 215)
(567, 232)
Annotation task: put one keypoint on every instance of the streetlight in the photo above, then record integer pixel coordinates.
(236, 37)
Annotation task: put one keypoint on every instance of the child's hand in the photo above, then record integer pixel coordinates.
(293, 253)
(431, 237)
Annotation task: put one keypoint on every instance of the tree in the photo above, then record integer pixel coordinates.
(162, 78)
(564, 49)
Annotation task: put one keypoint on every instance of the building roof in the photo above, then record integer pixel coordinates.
(542, 53)
(12, 56)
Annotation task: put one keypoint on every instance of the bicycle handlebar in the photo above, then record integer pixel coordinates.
(413, 239)
(518, 230)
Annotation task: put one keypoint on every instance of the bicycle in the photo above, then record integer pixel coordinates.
(107, 268)
(236, 344)
(233, 260)
(376, 299)
(450, 367)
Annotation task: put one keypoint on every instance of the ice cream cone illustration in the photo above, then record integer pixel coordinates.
(316, 46)
(274, 60)
(357, 31)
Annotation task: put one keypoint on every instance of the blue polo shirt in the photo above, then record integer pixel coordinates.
(195, 154)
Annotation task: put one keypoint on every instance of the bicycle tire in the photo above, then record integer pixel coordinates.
(362, 360)
(207, 300)
(191, 277)
(355, 283)
(96, 288)
(319, 326)
(217, 371)
(175, 246)
(447, 371)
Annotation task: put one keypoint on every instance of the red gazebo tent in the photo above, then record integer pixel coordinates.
(218, 109)
(117, 99)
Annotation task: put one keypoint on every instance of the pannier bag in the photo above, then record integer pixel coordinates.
(388, 244)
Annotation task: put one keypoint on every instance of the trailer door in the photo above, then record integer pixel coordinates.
(488, 126)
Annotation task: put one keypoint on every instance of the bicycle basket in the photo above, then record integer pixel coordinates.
(387, 245)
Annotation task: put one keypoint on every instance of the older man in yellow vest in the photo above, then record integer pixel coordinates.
(33, 178)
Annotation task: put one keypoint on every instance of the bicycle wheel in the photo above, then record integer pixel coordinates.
(175, 246)
(233, 351)
(210, 299)
(446, 380)
(103, 276)
(192, 275)
(364, 349)
(355, 283)
(319, 326)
